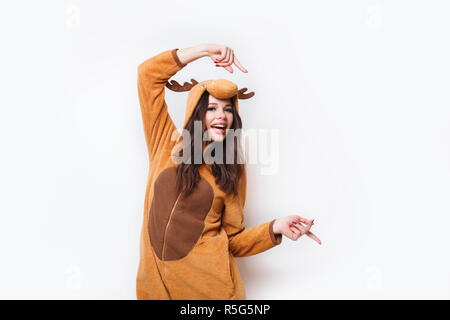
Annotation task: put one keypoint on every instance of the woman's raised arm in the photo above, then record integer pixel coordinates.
(190, 54)
(221, 55)
(153, 75)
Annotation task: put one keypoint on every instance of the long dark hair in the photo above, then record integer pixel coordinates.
(227, 174)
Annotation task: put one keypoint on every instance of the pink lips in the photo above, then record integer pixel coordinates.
(218, 130)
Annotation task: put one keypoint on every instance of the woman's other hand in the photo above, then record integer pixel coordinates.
(294, 227)
(223, 56)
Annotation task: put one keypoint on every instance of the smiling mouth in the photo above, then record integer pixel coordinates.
(219, 129)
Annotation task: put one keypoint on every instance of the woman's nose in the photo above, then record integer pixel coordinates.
(220, 114)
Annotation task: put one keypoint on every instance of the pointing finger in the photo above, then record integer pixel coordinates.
(239, 65)
(314, 237)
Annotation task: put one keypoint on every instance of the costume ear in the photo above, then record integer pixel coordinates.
(243, 95)
(175, 86)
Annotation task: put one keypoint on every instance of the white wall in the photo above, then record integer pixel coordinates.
(357, 90)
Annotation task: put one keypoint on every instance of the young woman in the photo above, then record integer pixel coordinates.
(193, 212)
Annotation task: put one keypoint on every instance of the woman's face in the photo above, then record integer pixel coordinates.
(218, 117)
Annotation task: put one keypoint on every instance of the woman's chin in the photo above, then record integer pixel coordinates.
(217, 137)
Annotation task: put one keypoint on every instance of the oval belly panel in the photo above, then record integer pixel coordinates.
(176, 221)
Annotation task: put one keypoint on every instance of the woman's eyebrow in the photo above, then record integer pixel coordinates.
(228, 105)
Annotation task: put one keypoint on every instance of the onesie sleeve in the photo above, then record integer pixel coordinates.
(243, 241)
(153, 75)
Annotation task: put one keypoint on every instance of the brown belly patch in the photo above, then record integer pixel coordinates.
(176, 221)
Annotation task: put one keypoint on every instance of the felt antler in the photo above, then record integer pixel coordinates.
(243, 95)
(175, 86)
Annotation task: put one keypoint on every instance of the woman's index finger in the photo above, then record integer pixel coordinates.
(314, 237)
(239, 65)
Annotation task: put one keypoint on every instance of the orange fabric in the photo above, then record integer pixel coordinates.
(208, 270)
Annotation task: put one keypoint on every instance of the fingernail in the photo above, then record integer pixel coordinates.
(217, 65)
(294, 222)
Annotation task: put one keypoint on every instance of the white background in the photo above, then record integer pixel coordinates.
(358, 91)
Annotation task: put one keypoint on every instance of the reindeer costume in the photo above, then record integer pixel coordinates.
(188, 242)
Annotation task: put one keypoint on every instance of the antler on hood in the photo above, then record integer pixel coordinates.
(175, 86)
(243, 95)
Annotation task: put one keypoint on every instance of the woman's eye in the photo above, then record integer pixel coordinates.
(213, 108)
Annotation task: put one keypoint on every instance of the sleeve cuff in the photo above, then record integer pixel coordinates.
(177, 60)
(276, 238)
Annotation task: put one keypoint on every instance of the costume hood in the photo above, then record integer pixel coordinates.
(219, 88)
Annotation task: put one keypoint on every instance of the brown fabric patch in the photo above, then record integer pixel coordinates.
(176, 221)
(275, 237)
(177, 60)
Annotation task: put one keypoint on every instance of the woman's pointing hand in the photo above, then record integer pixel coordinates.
(294, 227)
(223, 56)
